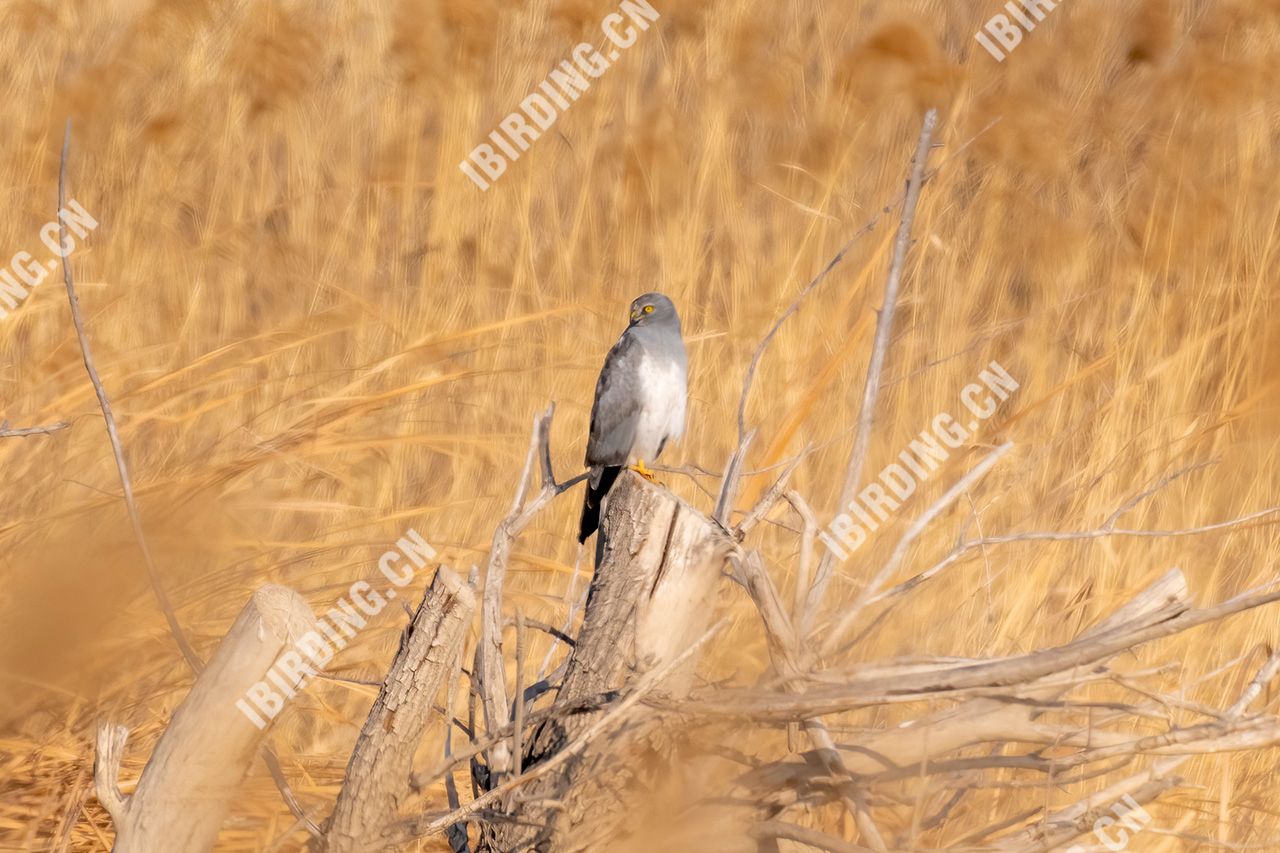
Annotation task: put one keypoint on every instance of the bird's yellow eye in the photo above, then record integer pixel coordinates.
(648, 309)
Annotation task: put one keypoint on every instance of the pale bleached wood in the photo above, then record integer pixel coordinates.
(905, 752)
(984, 720)
(202, 757)
(651, 598)
(490, 666)
(660, 560)
(377, 783)
(959, 679)
(22, 432)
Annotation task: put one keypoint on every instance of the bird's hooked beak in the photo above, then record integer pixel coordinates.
(635, 314)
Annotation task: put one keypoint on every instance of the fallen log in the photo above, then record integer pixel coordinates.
(202, 757)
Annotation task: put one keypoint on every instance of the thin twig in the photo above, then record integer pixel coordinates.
(867, 595)
(1064, 536)
(517, 733)
(614, 715)
(729, 486)
(818, 279)
(571, 603)
(766, 503)
(801, 614)
(884, 323)
(482, 745)
(22, 432)
(113, 434)
(457, 833)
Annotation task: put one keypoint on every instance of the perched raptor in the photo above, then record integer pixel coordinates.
(640, 400)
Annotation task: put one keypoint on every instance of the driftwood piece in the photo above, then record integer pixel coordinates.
(659, 563)
(895, 682)
(991, 720)
(378, 775)
(1013, 714)
(203, 755)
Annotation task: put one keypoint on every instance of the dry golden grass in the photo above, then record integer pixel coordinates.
(317, 332)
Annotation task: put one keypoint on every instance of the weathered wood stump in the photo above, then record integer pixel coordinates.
(652, 596)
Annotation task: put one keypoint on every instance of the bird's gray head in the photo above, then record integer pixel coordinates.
(654, 309)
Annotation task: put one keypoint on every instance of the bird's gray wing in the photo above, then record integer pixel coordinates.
(616, 410)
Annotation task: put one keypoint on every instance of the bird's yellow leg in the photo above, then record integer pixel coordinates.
(643, 471)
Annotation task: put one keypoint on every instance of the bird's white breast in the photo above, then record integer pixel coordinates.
(663, 392)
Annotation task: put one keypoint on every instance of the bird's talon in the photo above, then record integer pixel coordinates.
(644, 472)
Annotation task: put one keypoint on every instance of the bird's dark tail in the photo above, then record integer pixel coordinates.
(597, 488)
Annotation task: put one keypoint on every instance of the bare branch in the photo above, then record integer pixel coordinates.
(992, 678)
(517, 731)
(572, 603)
(917, 527)
(802, 608)
(490, 670)
(616, 714)
(884, 323)
(729, 486)
(117, 448)
(1063, 536)
(786, 652)
(21, 432)
(770, 498)
(818, 279)
(482, 745)
(1265, 676)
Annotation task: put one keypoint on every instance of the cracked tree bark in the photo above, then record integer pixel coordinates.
(659, 562)
(377, 783)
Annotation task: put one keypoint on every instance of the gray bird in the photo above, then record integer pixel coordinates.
(640, 401)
